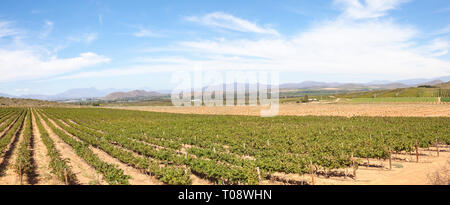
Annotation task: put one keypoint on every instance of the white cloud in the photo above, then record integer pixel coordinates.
(367, 48)
(446, 9)
(363, 9)
(361, 44)
(6, 29)
(145, 33)
(46, 29)
(445, 30)
(22, 90)
(227, 21)
(364, 48)
(84, 38)
(100, 19)
(438, 47)
(23, 61)
(130, 70)
(27, 65)
(37, 11)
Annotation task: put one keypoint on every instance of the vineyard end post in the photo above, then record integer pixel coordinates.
(259, 174)
(390, 159)
(417, 152)
(65, 176)
(437, 147)
(312, 172)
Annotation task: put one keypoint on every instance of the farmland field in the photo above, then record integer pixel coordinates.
(395, 99)
(112, 146)
(412, 92)
(340, 108)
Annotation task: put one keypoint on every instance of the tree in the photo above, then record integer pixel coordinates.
(306, 98)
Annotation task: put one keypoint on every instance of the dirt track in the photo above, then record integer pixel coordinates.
(41, 159)
(318, 109)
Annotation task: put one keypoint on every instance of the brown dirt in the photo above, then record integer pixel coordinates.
(317, 109)
(83, 171)
(199, 181)
(9, 176)
(402, 173)
(441, 176)
(412, 173)
(42, 160)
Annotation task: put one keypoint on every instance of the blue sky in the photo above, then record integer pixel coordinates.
(48, 47)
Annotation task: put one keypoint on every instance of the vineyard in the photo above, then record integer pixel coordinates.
(396, 100)
(121, 145)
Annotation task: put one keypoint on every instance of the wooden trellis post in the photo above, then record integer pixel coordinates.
(259, 174)
(149, 166)
(66, 180)
(417, 152)
(354, 168)
(312, 172)
(390, 159)
(437, 147)
(20, 173)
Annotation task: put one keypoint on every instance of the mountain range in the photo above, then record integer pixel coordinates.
(113, 94)
(133, 94)
(78, 93)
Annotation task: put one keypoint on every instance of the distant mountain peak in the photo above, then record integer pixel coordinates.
(131, 94)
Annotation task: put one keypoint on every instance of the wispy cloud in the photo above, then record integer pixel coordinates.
(445, 30)
(145, 33)
(84, 38)
(438, 47)
(28, 65)
(22, 90)
(367, 47)
(357, 42)
(37, 11)
(227, 21)
(100, 19)
(23, 61)
(6, 29)
(364, 9)
(442, 10)
(46, 29)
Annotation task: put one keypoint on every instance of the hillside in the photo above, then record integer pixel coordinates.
(436, 90)
(135, 94)
(15, 102)
(444, 85)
